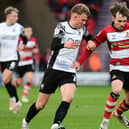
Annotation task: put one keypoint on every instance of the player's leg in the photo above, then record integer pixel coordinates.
(123, 107)
(67, 92)
(34, 109)
(7, 80)
(47, 87)
(117, 85)
(27, 86)
(18, 81)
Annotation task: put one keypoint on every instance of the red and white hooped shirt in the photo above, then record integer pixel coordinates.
(26, 54)
(118, 44)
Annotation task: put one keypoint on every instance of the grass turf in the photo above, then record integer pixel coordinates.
(86, 110)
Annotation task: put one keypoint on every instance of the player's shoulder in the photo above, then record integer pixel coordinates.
(108, 28)
(62, 24)
(127, 25)
(2, 24)
(33, 39)
(18, 25)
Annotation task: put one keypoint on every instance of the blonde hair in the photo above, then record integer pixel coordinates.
(80, 8)
(10, 9)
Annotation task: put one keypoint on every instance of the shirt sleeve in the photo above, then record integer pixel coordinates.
(100, 37)
(57, 37)
(22, 35)
(84, 56)
(87, 36)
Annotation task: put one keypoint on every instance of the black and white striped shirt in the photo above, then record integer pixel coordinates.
(62, 58)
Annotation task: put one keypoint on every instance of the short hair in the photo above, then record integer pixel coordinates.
(10, 9)
(120, 7)
(80, 8)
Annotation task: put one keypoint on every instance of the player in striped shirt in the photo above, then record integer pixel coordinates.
(64, 50)
(117, 37)
(26, 62)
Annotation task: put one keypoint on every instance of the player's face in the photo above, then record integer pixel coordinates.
(79, 20)
(119, 21)
(12, 17)
(28, 32)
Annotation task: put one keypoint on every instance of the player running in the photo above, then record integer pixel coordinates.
(26, 63)
(65, 46)
(10, 31)
(117, 36)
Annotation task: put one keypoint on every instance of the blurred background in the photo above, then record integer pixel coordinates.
(43, 15)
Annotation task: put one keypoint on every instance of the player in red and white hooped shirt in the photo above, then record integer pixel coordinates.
(117, 36)
(26, 64)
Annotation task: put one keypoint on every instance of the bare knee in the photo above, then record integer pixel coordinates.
(117, 86)
(68, 99)
(5, 80)
(42, 101)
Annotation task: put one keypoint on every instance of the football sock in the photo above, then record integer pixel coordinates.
(61, 112)
(122, 107)
(26, 89)
(31, 113)
(12, 90)
(110, 104)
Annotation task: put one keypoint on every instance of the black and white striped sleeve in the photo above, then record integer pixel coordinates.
(87, 36)
(22, 35)
(57, 38)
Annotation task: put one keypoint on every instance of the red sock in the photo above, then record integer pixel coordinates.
(110, 104)
(26, 89)
(122, 107)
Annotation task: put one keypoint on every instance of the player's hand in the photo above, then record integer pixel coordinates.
(76, 65)
(21, 47)
(71, 44)
(90, 45)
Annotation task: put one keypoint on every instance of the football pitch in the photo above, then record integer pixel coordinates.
(85, 112)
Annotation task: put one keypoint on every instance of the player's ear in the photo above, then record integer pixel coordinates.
(113, 18)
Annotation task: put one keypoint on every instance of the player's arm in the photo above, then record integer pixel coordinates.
(21, 46)
(57, 39)
(88, 38)
(56, 43)
(24, 38)
(35, 49)
(91, 45)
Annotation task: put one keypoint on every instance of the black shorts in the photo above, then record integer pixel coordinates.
(10, 65)
(54, 78)
(21, 70)
(123, 76)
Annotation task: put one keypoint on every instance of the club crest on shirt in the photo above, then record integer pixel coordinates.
(127, 34)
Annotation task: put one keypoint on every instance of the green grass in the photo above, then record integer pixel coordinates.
(85, 112)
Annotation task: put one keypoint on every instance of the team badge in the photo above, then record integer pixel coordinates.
(127, 34)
